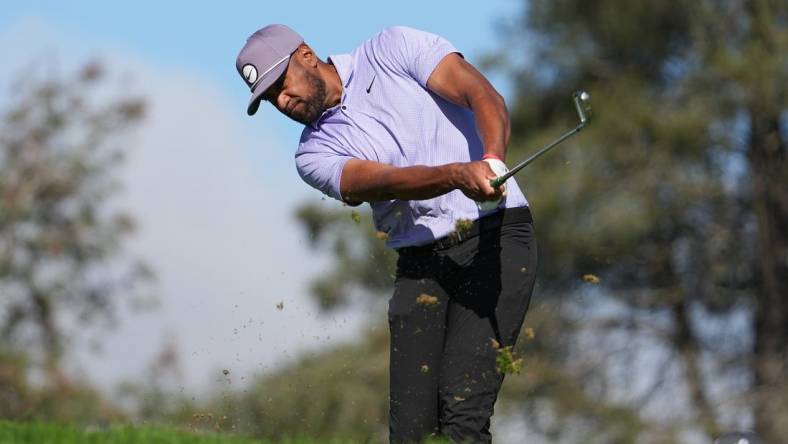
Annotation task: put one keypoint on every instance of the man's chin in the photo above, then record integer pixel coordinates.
(304, 119)
(300, 120)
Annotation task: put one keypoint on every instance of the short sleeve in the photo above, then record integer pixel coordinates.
(321, 167)
(416, 52)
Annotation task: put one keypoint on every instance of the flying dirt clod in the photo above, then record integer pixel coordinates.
(427, 300)
(462, 226)
(590, 278)
(506, 361)
(355, 216)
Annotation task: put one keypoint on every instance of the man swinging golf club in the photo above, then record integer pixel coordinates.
(405, 123)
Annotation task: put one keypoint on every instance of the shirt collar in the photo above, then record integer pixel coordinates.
(344, 65)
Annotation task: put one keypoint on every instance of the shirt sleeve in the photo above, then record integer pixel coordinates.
(321, 167)
(416, 52)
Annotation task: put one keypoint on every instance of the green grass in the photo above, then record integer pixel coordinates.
(52, 433)
(49, 433)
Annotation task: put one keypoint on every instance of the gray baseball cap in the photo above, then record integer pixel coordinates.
(264, 58)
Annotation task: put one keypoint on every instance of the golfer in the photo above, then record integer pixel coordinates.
(406, 124)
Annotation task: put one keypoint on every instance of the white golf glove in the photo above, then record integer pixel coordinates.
(499, 168)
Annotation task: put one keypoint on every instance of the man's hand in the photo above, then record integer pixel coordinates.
(473, 179)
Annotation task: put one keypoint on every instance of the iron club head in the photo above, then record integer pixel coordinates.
(582, 105)
(581, 100)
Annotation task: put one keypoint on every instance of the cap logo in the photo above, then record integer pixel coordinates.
(250, 73)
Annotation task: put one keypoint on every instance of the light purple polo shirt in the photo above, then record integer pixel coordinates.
(387, 114)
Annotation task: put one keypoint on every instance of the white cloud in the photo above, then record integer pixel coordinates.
(216, 225)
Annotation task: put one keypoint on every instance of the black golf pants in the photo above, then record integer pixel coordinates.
(443, 378)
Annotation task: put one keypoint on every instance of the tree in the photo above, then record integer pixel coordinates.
(678, 196)
(60, 240)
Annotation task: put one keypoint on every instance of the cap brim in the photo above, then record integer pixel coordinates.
(265, 83)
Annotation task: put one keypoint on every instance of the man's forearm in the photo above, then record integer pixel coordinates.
(417, 182)
(460, 83)
(492, 122)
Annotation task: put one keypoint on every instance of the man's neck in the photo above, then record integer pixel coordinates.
(333, 84)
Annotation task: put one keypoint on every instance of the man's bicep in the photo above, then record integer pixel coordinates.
(456, 80)
(321, 168)
(347, 182)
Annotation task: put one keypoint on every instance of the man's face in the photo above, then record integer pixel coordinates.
(300, 93)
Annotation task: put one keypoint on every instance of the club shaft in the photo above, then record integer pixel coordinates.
(495, 183)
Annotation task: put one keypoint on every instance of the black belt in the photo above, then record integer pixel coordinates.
(486, 223)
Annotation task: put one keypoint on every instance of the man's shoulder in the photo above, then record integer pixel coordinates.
(309, 136)
(398, 31)
(393, 35)
(314, 140)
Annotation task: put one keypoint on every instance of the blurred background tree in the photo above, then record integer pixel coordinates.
(60, 237)
(676, 197)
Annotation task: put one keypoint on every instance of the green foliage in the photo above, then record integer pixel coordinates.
(59, 241)
(334, 394)
(15, 393)
(657, 196)
(54, 433)
(69, 401)
(60, 268)
(507, 362)
(362, 262)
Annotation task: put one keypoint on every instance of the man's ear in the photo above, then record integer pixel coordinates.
(306, 55)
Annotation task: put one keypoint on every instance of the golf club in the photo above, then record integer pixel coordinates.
(581, 99)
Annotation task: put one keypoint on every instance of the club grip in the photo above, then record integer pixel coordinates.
(498, 181)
